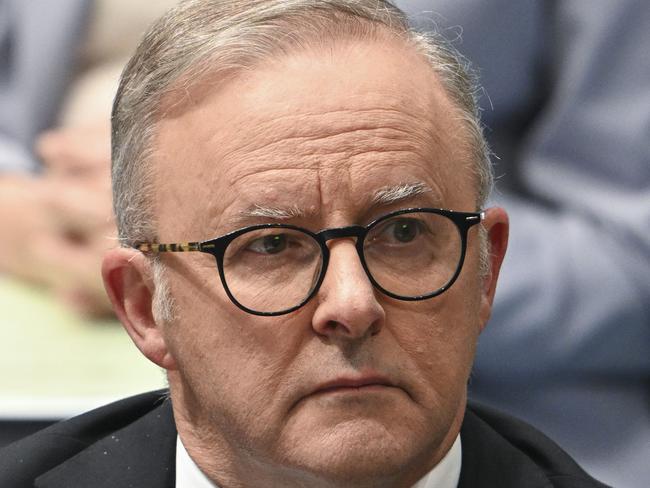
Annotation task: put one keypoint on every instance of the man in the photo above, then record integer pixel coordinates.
(319, 328)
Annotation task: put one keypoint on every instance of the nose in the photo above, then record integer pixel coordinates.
(347, 304)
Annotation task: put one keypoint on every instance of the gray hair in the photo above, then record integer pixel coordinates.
(219, 37)
(201, 37)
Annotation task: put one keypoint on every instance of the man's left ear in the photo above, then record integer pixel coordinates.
(497, 226)
(128, 280)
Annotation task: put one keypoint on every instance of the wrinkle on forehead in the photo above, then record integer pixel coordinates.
(306, 140)
(273, 137)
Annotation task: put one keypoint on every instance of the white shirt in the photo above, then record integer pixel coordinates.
(444, 475)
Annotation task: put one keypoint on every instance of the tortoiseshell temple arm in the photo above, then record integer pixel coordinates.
(179, 247)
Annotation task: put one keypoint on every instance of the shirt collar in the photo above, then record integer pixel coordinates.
(188, 474)
(444, 475)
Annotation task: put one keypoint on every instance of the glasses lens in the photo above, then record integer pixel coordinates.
(272, 270)
(413, 254)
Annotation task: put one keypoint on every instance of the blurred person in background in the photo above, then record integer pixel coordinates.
(567, 106)
(59, 67)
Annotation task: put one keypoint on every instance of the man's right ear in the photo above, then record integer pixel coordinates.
(128, 279)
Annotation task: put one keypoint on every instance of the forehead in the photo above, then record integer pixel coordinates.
(322, 130)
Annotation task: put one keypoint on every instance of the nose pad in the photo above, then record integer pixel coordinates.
(347, 301)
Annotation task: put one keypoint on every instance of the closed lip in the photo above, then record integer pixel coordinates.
(353, 382)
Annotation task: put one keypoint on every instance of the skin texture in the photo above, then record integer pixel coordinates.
(321, 132)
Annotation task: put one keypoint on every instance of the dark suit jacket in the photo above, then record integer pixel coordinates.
(132, 443)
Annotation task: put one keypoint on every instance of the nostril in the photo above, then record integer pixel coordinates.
(332, 325)
(375, 328)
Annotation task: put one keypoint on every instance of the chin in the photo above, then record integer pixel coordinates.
(357, 451)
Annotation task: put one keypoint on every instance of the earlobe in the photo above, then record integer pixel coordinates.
(497, 226)
(130, 287)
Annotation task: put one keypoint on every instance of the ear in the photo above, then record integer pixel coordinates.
(128, 281)
(497, 226)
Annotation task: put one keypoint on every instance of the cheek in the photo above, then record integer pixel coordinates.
(439, 339)
(232, 363)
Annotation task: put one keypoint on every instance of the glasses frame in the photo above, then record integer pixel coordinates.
(217, 248)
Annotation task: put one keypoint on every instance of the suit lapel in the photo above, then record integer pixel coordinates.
(490, 460)
(141, 455)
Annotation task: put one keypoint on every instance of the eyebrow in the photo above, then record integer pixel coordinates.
(398, 193)
(276, 213)
(384, 196)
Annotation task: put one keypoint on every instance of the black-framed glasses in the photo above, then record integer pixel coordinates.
(274, 269)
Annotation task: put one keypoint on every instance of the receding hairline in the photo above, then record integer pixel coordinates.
(188, 91)
(209, 76)
(299, 23)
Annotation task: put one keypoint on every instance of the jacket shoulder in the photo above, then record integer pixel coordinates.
(26, 459)
(500, 450)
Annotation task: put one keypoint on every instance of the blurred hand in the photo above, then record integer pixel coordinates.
(55, 231)
(57, 226)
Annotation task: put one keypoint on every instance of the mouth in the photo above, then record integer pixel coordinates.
(361, 384)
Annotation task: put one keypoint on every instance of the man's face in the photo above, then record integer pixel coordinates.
(317, 135)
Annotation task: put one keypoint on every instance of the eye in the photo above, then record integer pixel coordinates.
(404, 230)
(270, 244)
(399, 231)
